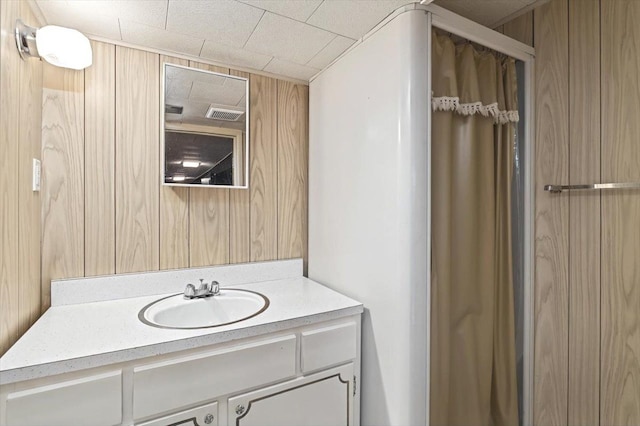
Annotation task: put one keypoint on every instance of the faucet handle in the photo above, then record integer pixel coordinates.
(190, 291)
(215, 288)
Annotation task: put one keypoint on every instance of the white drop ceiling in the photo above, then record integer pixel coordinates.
(291, 38)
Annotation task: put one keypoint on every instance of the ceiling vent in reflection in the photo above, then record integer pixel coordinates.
(215, 113)
(173, 109)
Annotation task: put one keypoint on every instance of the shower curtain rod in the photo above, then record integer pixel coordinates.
(556, 189)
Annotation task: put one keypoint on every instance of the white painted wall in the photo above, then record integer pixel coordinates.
(368, 207)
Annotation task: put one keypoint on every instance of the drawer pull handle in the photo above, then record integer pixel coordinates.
(239, 409)
(208, 419)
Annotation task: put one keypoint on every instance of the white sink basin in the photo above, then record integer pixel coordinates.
(228, 307)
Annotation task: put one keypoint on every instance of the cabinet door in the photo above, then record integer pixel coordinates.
(323, 399)
(206, 415)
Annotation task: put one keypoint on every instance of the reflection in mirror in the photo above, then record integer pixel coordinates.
(205, 135)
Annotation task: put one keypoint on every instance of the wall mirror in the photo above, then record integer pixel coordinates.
(205, 135)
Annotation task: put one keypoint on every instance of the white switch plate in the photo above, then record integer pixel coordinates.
(36, 175)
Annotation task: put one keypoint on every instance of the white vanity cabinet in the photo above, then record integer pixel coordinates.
(300, 376)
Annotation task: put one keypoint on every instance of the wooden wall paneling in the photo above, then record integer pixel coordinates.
(263, 171)
(551, 215)
(137, 162)
(304, 127)
(100, 151)
(292, 169)
(620, 315)
(520, 28)
(29, 147)
(584, 213)
(239, 208)
(209, 215)
(62, 176)
(9, 124)
(174, 206)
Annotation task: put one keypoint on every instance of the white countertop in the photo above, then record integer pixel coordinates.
(84, 335)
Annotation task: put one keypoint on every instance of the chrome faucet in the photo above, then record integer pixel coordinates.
(204, 290)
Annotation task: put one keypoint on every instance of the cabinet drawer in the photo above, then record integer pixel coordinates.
(168, 385)
(328, 346)
(90, 401)
(200, 416)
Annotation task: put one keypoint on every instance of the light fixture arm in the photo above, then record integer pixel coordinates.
(26, 40)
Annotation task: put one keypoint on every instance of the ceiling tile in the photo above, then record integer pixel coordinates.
(57, 12)
(287, 39)
(299, 10)
(353, 18)
(233, 56)
(177, 89)
(146, 35)
(149, 12)
(301, 72)
(227, 94)
(330, 52)
(489, 13)
(225, 21)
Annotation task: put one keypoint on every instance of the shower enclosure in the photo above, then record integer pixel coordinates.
(370, 202)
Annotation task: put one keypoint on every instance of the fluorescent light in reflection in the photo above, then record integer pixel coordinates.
(178, 178)
(191, 164)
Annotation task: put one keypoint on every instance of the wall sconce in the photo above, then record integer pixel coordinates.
(62, 47)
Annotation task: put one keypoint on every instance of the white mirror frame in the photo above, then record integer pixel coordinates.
(163, 129)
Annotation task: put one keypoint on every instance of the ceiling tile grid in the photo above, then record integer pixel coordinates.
(300, 10)
(58, 12)
(353, 18)
(331, 51)
(157, 38)
(224, 21)
(290, 69)
(287, 39)
(233, 56)
(292, 38)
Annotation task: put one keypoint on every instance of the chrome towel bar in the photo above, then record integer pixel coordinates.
(556, 189)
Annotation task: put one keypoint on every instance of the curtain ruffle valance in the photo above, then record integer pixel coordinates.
(469, 82)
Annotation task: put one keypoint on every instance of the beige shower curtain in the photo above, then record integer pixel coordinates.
(473, 361)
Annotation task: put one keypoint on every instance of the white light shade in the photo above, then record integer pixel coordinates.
(64, 47)
(190, 163)
(178, 178)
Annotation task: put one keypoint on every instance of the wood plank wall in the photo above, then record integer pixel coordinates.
(584, 214)
(20, 118)
(105, 211)
(620, 285)
(102, 209)
(587, 307)
(552, 215)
